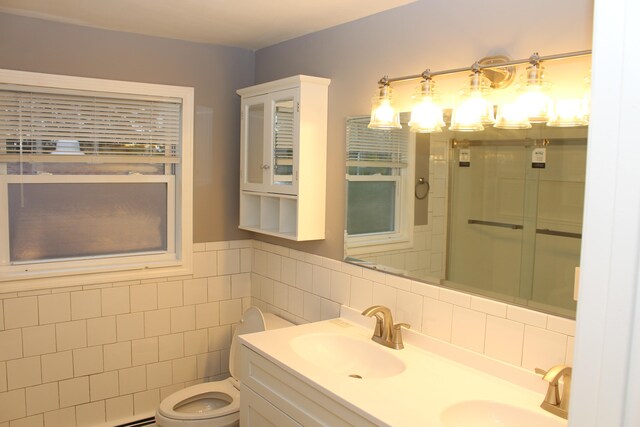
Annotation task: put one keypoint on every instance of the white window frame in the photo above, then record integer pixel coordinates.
(402, 236)
(175, 261)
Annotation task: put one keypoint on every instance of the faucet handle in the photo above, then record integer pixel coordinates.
(396, 336)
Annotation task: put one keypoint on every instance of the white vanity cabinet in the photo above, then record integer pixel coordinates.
(283, 150)
(272, 396)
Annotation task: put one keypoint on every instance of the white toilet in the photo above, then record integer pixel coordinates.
(217, 403)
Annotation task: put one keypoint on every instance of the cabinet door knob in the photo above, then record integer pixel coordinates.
(265, 167)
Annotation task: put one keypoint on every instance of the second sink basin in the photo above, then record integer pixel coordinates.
(348, 356)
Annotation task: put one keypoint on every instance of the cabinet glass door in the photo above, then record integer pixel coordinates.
(254, 144)
(283, 135)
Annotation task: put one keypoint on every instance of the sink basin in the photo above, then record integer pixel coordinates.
(348, 356)
(483, 413)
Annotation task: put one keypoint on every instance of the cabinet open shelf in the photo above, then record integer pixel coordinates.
(273, 214)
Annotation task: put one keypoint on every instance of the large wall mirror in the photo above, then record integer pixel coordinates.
(496, 213)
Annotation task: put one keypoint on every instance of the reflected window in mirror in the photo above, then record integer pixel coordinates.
(379, 175)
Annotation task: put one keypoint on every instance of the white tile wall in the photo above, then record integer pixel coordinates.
(91, 354)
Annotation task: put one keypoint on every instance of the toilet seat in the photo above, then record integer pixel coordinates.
(222, 390)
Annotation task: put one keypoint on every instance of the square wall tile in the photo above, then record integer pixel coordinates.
(86, 304)
(409, 309)
(42, 398)
(296, 302)
(146, 401)
(103, 386)
(169, 294)
(230, 311)
(228, 261)
(280, 295)
(74, 391)
(101, 330)
(361, 293)
(12, 405)
(219, 288)
(20, 312)
(266, 289)
(240, 285)
(130, 326)
(143, 297)
(312, 312)
(219, 338)
(144, 351)
(274, 266)
(87, 361)
(288, 274)
(54, 308)
(321, 281)
(304, 276)
(57, 366)
(543, 348)
(117, 356)
(195, 291)
(196, 342)
(32, 421)
(504, 340)
(70, 335)
(488, 306)
(329, 309)
(171, 346)
(65, 417)
(205, 264)
(468, 329)
(90, 414)
(11, 347)
(183, 318)
(208, 364)
(157, 322)
(119, 408)
(159, 374)
(132, 379)
(246, 255)
(23, 372)
(184, 369)
(207, 315)
(39, 340)
(115, 300)
(340, 287)
(385, 295)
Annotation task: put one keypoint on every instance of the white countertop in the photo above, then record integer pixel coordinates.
(430, 383)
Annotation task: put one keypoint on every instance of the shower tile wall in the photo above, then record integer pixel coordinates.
(92, 354)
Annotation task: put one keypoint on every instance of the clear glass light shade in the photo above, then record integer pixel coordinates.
(568, 113)
(512, 116)
(474, 109)
(426, 115)
(534, 95)
(383, 113)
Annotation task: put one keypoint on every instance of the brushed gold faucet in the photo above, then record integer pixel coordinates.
(553, 402)
(386, 332)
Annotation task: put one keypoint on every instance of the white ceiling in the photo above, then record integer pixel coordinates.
(249, 24)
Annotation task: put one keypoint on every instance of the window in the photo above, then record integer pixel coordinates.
(95, 179)
(379, 202)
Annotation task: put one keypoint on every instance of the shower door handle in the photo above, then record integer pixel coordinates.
(495, 224)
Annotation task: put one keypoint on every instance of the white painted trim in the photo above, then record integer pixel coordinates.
(606, 385)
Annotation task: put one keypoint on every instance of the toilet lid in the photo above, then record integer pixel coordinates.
(205, 390)
(252, 321)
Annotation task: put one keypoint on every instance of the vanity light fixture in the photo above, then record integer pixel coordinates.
(475, 111)
(426, 115)
(535, 98)
(383, 114)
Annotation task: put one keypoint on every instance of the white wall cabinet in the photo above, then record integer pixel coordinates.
(283, 152)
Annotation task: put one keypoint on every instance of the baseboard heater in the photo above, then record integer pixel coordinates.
(139, 423)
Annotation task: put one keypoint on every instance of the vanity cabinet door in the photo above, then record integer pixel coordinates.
(257, 412)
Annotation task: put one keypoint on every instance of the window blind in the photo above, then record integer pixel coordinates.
(36, 124)
(376, 147)
(283, 136)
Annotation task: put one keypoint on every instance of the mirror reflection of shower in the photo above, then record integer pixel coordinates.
(502, 216)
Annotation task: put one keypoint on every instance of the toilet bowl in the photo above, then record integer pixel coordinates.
(216, 403)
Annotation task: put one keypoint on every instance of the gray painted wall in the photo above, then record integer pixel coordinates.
(436, 34)
(214, 71)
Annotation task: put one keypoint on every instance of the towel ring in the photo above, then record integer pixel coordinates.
(421, 182)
